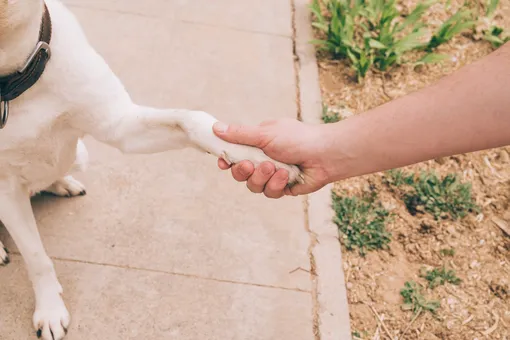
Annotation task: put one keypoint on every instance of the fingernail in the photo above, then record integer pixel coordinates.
(245, 170)
(220, 127)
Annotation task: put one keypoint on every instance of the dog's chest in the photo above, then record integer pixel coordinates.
(37, 149)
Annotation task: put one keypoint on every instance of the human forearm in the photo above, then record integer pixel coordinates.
(465, 112)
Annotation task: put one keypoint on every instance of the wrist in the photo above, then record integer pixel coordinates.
(342, 156)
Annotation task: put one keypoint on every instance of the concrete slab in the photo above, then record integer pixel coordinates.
(263, 16)
(122, 304)
(176, 212)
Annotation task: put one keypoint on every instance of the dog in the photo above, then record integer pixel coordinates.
(71, 92)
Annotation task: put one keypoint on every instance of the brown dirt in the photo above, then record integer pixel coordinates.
(478, 308)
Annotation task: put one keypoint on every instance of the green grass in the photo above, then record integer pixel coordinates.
(398, 178)
(441, 197)
(440, 276)
(495, 35)
(447, 252)
(328, 116)
(415, 300)
(456, 24)
(361, 223)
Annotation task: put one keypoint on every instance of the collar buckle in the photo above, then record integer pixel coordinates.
(41, 46)
(4, 112)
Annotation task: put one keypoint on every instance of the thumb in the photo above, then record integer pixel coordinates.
(240, 134)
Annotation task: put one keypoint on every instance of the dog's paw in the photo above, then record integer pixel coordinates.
(51, 322)
(4, 255)
(199, 127)
(67, 187)
(233, 154)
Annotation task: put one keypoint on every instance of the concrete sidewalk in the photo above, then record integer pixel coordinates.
(167, 246)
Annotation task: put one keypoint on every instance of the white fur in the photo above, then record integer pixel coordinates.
(77, 95)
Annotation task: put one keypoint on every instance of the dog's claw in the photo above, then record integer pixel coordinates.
(4, 258)
(39, 333)
(225, 157)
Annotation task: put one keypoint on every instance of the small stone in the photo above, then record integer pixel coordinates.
(451, 230)
(344, 112)
(474, 264)
(428, 336)
(440, 161)
(389, 205)
(504, 157)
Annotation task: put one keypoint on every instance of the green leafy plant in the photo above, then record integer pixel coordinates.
(356, 335)
(490, 31)
(338, 27)
(415, 300)
(492, 6)
(439, 276)
(432, 58)
(440, 197)
(495, 36)
(328, 116)
(370, 33)
(456, 24)
(447, 252)
(397, 177)
(361, 223)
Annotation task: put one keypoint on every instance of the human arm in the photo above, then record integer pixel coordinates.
(464, 112)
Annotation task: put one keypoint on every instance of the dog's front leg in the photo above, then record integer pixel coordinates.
(51, 317)
(137, 129)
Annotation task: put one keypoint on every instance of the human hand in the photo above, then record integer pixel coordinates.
(288, 141)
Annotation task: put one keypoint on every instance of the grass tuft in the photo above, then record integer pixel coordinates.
(441, 197)
(415, 300)
(361, 223)
(440, 276)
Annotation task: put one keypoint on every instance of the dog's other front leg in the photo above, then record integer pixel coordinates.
(138, 129)
(4, 255)
(51, 317)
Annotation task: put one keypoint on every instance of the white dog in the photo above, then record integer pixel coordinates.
(77, 94)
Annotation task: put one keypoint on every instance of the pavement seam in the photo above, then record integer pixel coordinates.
(260, 285)
(296, 59)
(330, 305)
(311, 234)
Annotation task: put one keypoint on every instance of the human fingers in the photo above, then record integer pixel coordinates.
(257, 182)
(276, 185)
(243, 171)
(223, 165)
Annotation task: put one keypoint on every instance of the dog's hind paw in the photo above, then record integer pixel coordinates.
(67, 187)
(4, 255)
